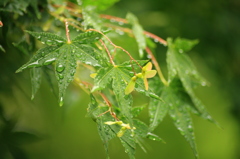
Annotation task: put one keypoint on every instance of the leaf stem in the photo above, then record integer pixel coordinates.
(155, 63)
(108, 53)
(67, 32)
(115, 46)
(151, 35)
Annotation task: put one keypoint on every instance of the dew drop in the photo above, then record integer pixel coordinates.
(180, 51)
(112, 20)
(60, 76)
(65, 56)
(39, 37)
(33, 64)
(190, 128)
(203, 84)
(72, 73)
(60, 68)
(61, 101)
(174, 117)
(155, 40)
(78, 55)
(72, 64)
(47, 62)
(153, 137)
(43, 54)
(49, 42)
(120, 23)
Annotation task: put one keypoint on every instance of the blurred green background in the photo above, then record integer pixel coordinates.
(66, 132)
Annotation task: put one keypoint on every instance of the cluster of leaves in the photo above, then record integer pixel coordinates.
(111, 100)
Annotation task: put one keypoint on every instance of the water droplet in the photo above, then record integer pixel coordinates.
(69, 80)
(112, 20)
(39, 37)
(77, 55)
(178, 121)
(60, 68)
(120, 23)
(190, 128)
(203, 83)
(153, 137)
(72, 64)
(72, 73)
(49, 42)
(60, 76)
(155, 40)
(73, 51)
(180, 51)
(43, 54)
(149, 56)
(174, 117)
(61, 101)
(65, 56)
(47, 62)
(33, 64)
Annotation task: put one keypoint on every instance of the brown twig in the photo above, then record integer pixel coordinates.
(155, 63)
(67, 32)
(108, 53)
(115, 46)
(153, 36)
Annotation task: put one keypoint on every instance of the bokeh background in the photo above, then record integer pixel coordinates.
(66, 132)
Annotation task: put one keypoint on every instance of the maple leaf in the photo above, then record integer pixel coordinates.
(65, 56)
(179, 64)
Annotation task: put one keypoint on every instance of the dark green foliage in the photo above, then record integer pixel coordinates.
(111, 100)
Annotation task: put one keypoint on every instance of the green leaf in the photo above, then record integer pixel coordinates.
(100, 4)
(104, 76)
(91, 18)
(65, 69)
(137, 110)
(137, 32)
(65, 56)
(2, 49)
(141, 128)
(178, 103)
(104, 130)
(128, 143)
(34, 4)
(180, 64)
(36, 77)
(124, 101)
(15, 6)
(87, 37)
(48, 38)
(158, 110)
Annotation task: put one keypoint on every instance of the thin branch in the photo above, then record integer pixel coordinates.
(155, 37)
(108, 53)
(155, 63)
(116, 46)
(67, 32)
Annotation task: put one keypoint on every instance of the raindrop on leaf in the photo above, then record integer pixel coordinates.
(60, 68)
